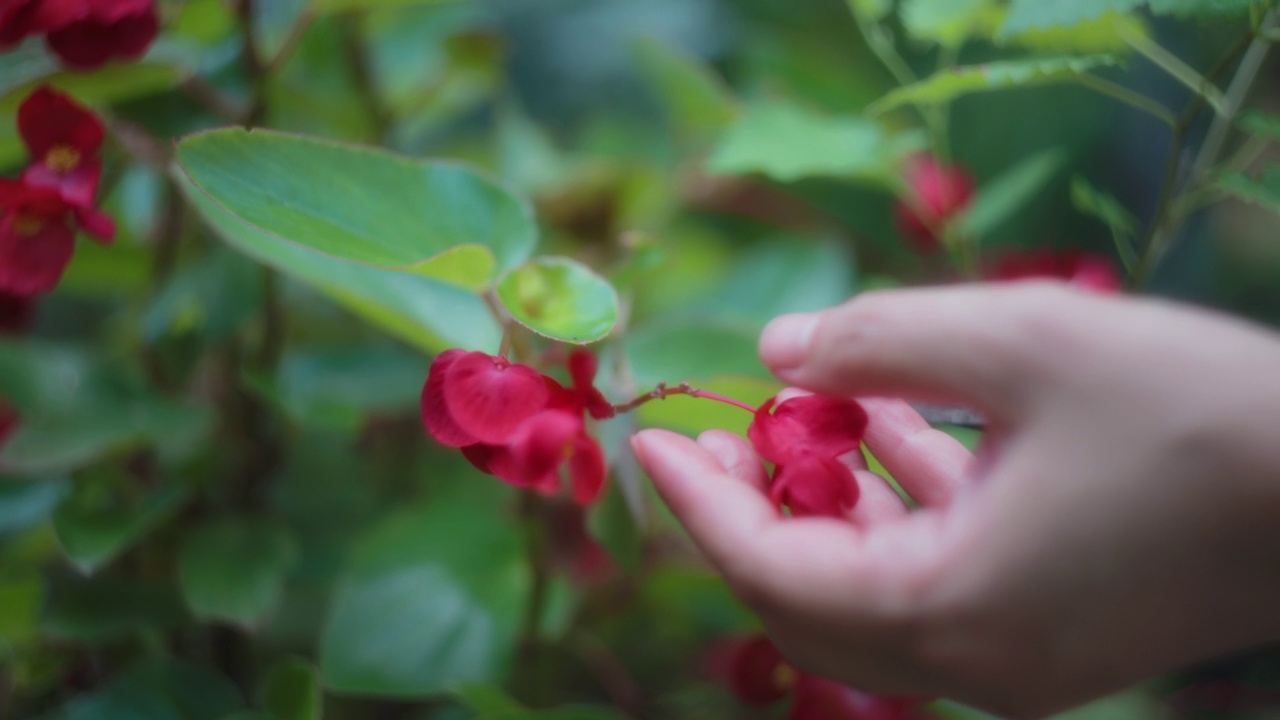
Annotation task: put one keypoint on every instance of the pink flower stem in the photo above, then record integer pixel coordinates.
(662, 391)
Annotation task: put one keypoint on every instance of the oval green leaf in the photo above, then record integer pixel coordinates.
(439, 219)
(234, 570)
(560, 298)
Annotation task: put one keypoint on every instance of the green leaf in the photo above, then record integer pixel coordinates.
(1263, 190)
(487, 699)
(1095, 203)
(950, 22)
(693, 350)
(432, 600)
(74, 408)
(161, 689)
(233, 570)
(1040, 14)
(291, 690)
(213, 297)
(871, 9)
(787, 142)
(94, 531)
(437, 219)
(102, 609)
(429, 314)
(560, 298)
(1001, 198)
(24, 503)
(1266, 125)
(21, 598)
(342, 6)
(1107, 33)
(696, 99)
(947, 85)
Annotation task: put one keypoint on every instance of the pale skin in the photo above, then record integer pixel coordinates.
(1121, 519)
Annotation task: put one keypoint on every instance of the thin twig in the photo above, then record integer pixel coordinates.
(662, 391)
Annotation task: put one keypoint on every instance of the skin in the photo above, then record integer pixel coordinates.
(1121, 519)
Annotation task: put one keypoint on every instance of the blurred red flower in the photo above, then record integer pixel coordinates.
(938, 192)
(63, 139)
(517, 424)
(1084, 270)
(84, 34)
(759, 675)
(804, 437)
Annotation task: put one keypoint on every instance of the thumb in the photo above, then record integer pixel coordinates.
(991, 347)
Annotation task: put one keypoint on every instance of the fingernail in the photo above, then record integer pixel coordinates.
(785, 341)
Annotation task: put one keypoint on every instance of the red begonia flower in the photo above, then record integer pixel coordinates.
(759, 675)
(582, 370)
(8, 421)
(938, 192)
(63, 139)
(107, 29)
(545, 442)
(475, 397)
(36, 243)
(20, 19)
(804, 437)
(1084, 270)
(16, 312)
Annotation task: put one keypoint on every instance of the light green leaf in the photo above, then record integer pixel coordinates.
(1040, 14)
(93, 532)
(1267, 125)
(291, 690)
(1263, 190)
(1103, 206)
(675, 352)
(788, 142)
(1001, 198)
(696, 99)
(1104, 34)
(871, 9)
(432, 600)
(947, 85)
(427, 313)
(560, 298)
(950, 22)
(782, 275)
(24, 503)
(233, 570)
(1185, 8)
(438, 219)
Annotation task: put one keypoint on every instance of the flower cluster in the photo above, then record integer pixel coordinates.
(54, 195)
(517, 424)
(759, 675)
(1084, 270)
(804, 438)
(84, 34)
(938, 193)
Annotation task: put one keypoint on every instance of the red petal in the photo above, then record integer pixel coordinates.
(489, 397)
(34, 264)
(582, 369)
(815, 486)
(493, 460)
(542, 444)
(940, 192)
(98, 224)
(758, 673)
(811, 424)
(78, 187)
(93, 42)
(587, 469)
(435, 414)
(47, 119)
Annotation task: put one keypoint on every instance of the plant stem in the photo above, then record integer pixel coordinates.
(1128, 97)
(1176, 68)
(662, 392)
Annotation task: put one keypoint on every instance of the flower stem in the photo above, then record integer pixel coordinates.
(663, 391)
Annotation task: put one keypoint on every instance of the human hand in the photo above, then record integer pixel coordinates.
(1122, 517)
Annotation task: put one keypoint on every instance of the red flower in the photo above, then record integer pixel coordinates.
(16, 312)
(804, 438)
(8, 421)
(1084, 270)
(36, 242)
(109, 29)
(516, 424)
(63, 139)
(84, 34)
(938, 193)
(759, 675)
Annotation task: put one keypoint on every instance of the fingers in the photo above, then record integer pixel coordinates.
(929, 464)
(877, 501)
(736, 457)
(987, 346)
(724, 515)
